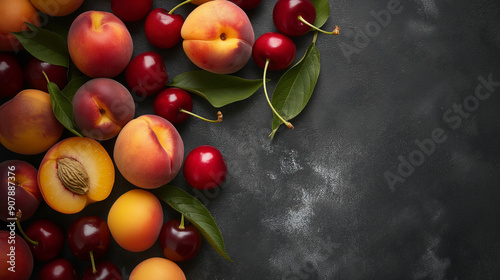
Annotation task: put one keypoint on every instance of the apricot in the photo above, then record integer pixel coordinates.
(75, 172)
(218, 37)
(101, 107)
(99, 44)
(14, 14)
(149, 151)
(28, 123)
(156, 268)
(135, 220)
(57, 8)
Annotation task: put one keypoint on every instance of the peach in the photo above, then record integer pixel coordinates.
(218, 37)
(135, 220)
(14, 14)
(75, 172)
(16, 259)
(57, 8)
(28, 123)
(101, 107)
(99, 44)
(149, 151)
(19, 189)
(156, 268)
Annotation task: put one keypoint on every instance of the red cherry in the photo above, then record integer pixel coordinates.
(205, 168)
(58, 269)
(247, 4)
(163, 28)
(131, 10)
(273, 51)
(11, 76)
(88, 237)
(104, 270)
(286, 16)
(175, 105)
(179, 242)
(146, 74)
(48, 238)
(35, 78)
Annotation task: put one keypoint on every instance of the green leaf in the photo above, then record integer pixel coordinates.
(295, 87)
(196, 213)
(218, 89)
(322, 12)
(62, 108)
(44, 44)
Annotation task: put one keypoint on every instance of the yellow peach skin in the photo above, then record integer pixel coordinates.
(88, 160)
(13, 15)
(135, 220)
(149, 151)
(156, 268)
(218, 37)
(28, 124)
(99, 44)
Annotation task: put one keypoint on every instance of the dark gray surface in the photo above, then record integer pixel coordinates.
(315, 203)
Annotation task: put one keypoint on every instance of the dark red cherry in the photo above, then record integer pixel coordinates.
(168, 103)
(11, 76)
(146, 74)
(131, 10)
(58, 269)
(178, 241)
(163, 28)
(286, 16)
(104, 270)
(35, 78)
(48, 238)
(205, 168)
(279, 49)
(247, 4)
(88, 235)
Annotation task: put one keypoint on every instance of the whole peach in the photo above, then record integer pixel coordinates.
(28, 124)
(19, 189)
(101, 107)
(99, 44)
(149, 151)
(16, 259)
(57, 8)
(218, 37)
(156, 268)
(135, 220)
(14, 14)
(74, 173)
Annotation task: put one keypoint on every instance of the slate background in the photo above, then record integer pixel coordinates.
(315, 203)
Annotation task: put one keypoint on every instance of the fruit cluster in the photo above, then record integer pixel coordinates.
(70, 82)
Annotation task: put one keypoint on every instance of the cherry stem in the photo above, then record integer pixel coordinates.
(92, 261)
(182, 225)
(219, 116)
(19, 214)
(174, 8)
(336, 30)
(288, 124)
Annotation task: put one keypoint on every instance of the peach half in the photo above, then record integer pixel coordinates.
(28, 123)
(149, 151)
(99, 44)
(75, 172)
(101, 107)
(218, 37)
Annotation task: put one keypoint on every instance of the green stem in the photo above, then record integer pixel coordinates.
(219, 116)
(182, 225)
(18, 222)
(174, 8)
(92, 261)
(288, 124)
(336, 30)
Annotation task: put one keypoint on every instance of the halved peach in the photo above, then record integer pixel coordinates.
(75, 172)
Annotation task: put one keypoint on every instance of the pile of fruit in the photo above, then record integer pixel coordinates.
(70, 85)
